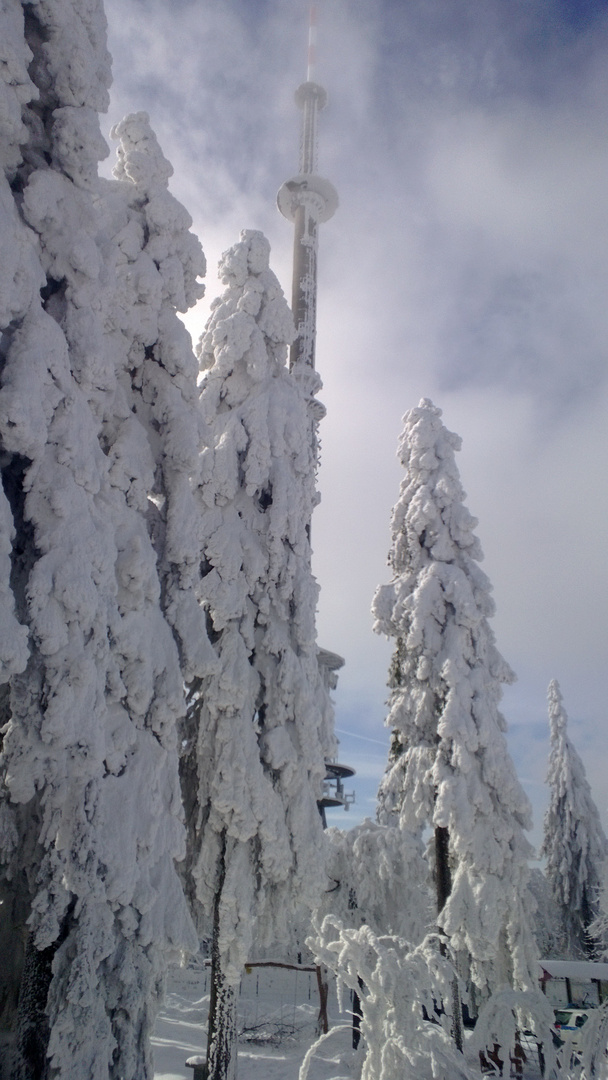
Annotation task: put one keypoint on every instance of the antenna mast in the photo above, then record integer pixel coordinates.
(307, 200)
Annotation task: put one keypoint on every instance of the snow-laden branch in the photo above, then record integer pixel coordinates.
(403, 991)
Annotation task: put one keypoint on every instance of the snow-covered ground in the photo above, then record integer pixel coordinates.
(277, 1015)
(277, 1019)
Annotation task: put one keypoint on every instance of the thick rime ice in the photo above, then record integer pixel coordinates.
(549, 930)
(100, 435)
(157, 265)
(406, 1035)
(449, 766)
(261, 723)
(593, 1047)
(502, 1020)
(377, 875)
(574, 842)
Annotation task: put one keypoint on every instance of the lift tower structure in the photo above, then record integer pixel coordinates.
(306, 200)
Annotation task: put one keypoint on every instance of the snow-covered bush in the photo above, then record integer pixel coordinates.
(574, 841)
(449, 766)
(406, 1033)
(99, 439)
(504, 1019)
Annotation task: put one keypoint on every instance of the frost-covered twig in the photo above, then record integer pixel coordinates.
(404, 1026)
(312, 1050)
(508, 1014)
(594, 1045)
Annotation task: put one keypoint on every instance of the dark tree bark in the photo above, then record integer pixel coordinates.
(443, 874)
(443, 878)
(221, 1032)
(590, 944)
(357, 1016)
(32, 1021)
(322, 983)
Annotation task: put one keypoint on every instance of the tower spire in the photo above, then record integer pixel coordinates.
(306, 200)
(312, 43)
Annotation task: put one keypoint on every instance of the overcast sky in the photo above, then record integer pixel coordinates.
(467, 263)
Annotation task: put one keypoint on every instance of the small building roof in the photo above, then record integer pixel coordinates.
(585, 970)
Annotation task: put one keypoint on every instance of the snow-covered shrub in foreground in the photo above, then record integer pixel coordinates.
(594, 1047)
(506, 1015)
(406, 1034)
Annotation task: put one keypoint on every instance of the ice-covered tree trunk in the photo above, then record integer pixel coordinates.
(221, 1033)
(574, 842)
(443, 889)
(260, 724)
(99, 438)
(449, 766)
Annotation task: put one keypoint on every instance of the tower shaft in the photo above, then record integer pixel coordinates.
(304, 284)
(311, 104)
(306, 200)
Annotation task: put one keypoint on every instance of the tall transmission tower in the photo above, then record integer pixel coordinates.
(307, 200)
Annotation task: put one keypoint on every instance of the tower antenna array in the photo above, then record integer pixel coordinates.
(307, 200)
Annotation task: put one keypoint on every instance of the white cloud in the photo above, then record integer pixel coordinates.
(467, 263)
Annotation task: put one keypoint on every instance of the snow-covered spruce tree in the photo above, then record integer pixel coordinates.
(574, 842)
(449, 766)
(99, 436)
(261, 723)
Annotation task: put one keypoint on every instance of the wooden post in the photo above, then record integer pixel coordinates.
(518, 1057)
(322, 1021)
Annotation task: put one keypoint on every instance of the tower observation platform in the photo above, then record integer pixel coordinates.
(306, 200)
